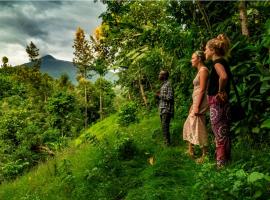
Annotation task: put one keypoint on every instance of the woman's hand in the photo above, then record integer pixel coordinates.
(222, 97)
(196, 110)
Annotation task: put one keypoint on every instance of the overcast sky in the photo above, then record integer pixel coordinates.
(51, 25)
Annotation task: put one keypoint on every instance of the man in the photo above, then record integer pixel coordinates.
(166, 104)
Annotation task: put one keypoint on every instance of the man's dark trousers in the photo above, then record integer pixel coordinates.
(165, 124)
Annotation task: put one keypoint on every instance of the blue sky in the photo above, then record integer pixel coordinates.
(51, 25)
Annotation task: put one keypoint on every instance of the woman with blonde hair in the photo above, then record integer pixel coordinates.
(194, 130)
(218, 96)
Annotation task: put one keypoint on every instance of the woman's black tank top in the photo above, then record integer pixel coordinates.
(214, 78)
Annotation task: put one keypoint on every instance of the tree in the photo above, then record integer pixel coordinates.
(60, 106)
(132, 31)
(105, 88)
(243, 17)
(5, 62)
(83, 60)
(33, 53)
(100, 61)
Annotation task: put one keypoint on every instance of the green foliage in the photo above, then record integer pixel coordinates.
(128, 114)
(64, 171)
(117, 166)
(14, 168)
(140, 46)
(126, 149)
(28, 133)
(106, 96)
(60, 107)
(238, 184)
(40, 115)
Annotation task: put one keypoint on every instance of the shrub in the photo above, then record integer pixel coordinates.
(128, 114)
(126, 149)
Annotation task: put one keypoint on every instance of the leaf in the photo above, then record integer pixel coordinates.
(267, 178)
(254, 176)
(237, 184)
(264, 88)
(267, 78)
(266, 124)
(257, 194)
(235, 45)
(255, 130)
(151, 160)
(138, 57)
(240, 173)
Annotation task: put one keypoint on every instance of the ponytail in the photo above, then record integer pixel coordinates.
(220, 44)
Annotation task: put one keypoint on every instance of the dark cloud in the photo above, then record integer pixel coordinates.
(31, 27)
(6, 4)
(51, 25)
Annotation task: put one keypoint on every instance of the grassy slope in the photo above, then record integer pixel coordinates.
(101, 168)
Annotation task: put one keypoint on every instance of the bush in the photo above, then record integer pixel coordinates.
(128, 114)
(126, 149)
(14, 168)
(233, 183)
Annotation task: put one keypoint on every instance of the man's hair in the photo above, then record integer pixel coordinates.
(165, 74)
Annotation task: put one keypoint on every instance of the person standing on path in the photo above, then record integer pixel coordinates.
(218, 96)
(166, 104)
(194, 130)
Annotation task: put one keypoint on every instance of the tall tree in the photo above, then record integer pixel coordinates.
(100, 63)
(33, 53)
(83, 60)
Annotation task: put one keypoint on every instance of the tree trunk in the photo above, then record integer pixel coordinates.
(100, 104)
(85, 109)
(243, 17)
(142, 92)
(129, 96)
(205, 17)
(85, 99)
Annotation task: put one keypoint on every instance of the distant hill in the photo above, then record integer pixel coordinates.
(56, 68)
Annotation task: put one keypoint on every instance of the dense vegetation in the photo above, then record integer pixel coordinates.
(110, 161)
(123, 157)
(39, 115)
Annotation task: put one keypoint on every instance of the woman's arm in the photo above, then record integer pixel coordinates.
(203, 84)
(223, 78)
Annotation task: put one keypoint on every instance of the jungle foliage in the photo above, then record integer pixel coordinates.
(123, 157)
(146, 36)
(40, 115)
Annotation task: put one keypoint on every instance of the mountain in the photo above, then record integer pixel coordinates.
(56, 68)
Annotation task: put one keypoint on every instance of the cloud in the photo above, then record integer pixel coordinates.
(51, 25)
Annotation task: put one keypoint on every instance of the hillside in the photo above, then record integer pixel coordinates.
(56, 68)
(112, 162)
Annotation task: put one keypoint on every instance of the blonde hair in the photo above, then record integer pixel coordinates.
(200, 54)
(220, 44)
